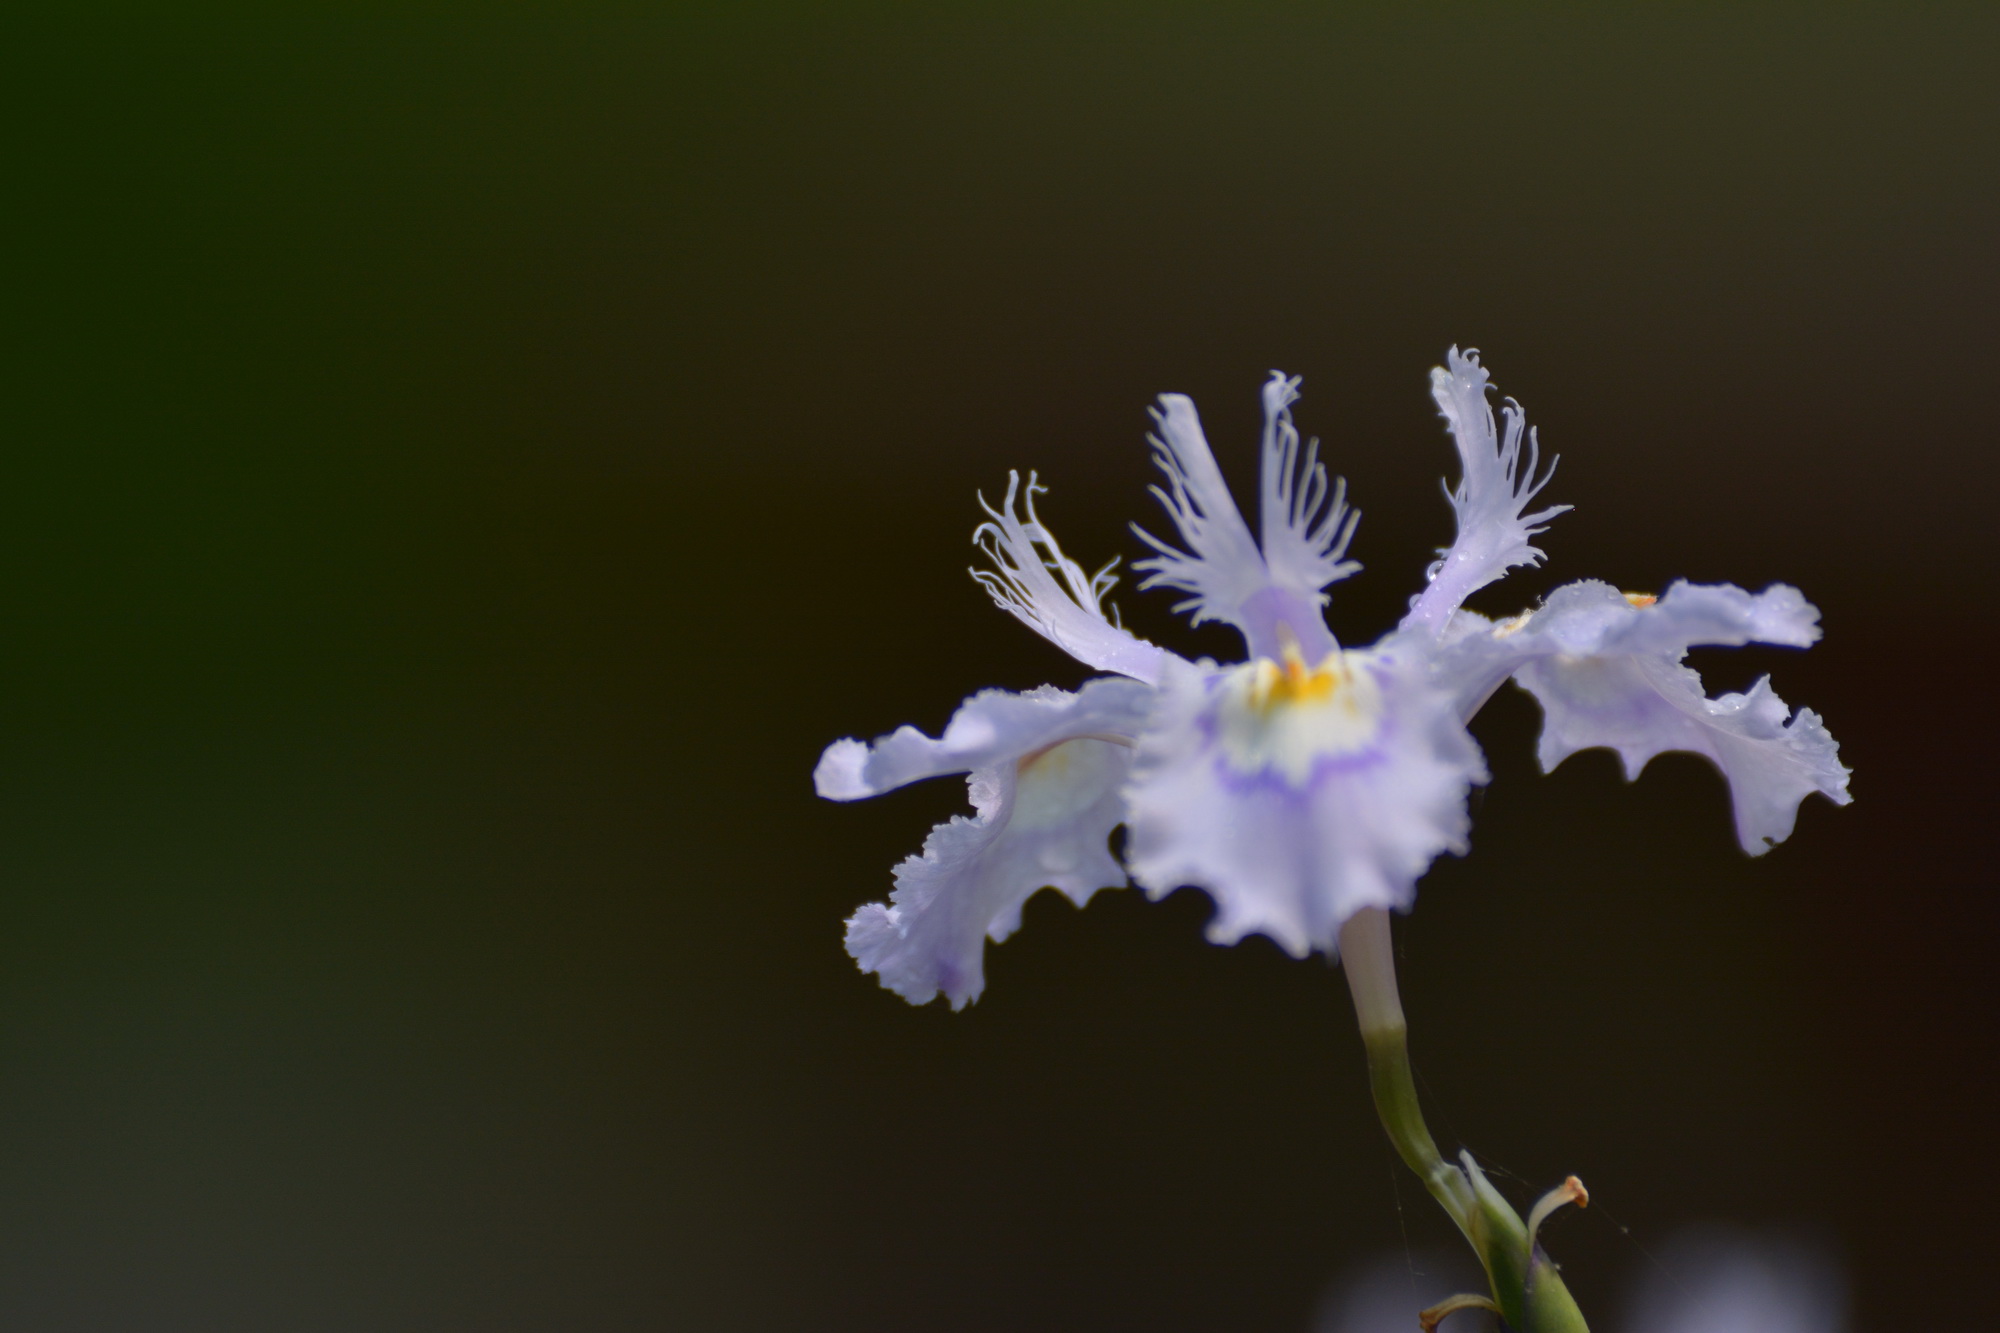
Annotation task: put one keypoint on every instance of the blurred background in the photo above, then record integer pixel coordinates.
(462, 466)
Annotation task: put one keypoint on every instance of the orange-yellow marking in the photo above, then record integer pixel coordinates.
(1293, 682)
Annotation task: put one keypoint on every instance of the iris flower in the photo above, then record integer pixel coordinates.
(1309, 782)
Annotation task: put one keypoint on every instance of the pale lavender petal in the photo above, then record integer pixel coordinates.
(1606, 668)
(1273, 594)
(1591, 617)
(1498, 482)
(1046, 770)
(1222, 567)
(1043, 821)
(1641, 706)
(1307, 523)
(1295, 814)
(991, 727)
(1068, 612)
(1594, 619)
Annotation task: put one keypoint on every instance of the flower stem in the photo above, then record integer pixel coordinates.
(1526, 1287)
(1370, 961)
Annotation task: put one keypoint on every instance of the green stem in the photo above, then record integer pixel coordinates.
(1370, 960)
(1396, 1102)
(1526, 1286)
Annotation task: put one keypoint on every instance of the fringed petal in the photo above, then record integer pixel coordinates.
(1046, 771)
(1641, 706)
(1590, 618)
(1295, 806)
(1498, 482)
(1273, 595)
(991, 727)
(1045, 822)
(1606, 668)
(1307, 523)
(1068, 613)
(1222, 567)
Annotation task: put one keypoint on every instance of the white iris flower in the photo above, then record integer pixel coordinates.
(1310, 781)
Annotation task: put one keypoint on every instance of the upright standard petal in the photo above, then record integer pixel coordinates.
(1307, 523)
(1272, 594)
(1295, 795)
(1498, 482)
(1222, 567)
(1070, 613)
(1046, 768)
(1606, 668)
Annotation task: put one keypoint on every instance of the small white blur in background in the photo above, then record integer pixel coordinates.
(1727, 1281)
(1709, 1280)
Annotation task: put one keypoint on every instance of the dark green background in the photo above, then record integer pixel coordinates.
(462, 466)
